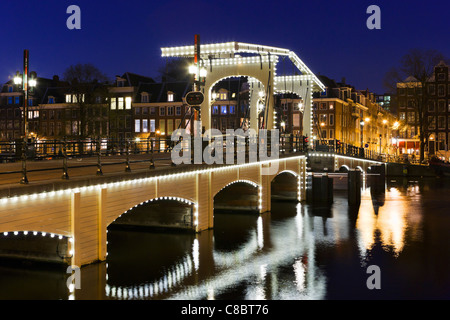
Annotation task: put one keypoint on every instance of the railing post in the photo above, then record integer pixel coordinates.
(127, 167)
(65, 175)
(152, 161)
(99, 156)
(24, 179)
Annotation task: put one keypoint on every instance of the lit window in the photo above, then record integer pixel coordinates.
(170, 96)
(51, 100)
(113, 103)
(223, 109)
(137, 125)
(144, 125)
(17, 100)
(10, 100)
(231, 109)
(128, 103)
(120, 103)
(215, 110)
(152, 125)
(68, 98)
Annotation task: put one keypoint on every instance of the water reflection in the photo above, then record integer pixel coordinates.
(297, 251)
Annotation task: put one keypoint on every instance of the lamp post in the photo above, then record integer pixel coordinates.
(362, 130)
(26, 82)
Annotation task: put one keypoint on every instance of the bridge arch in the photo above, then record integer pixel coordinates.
(248, 199)
(285, 185)
(144, 217)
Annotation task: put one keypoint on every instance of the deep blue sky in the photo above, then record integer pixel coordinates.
(330, 36)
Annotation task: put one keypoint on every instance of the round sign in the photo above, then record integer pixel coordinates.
(366, 145)
(194, 98)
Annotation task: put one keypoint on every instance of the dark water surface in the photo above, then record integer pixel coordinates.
(297, 251)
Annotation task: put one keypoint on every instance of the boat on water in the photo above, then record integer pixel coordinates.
(442, 168)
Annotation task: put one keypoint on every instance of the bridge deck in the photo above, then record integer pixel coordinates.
(45, 176)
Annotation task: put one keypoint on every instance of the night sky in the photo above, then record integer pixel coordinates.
(117, 36)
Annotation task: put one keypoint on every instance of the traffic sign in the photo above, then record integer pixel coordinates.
(366, 145)
(194, 98)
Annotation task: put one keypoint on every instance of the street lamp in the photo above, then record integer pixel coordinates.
(362, 130)
(26, 82)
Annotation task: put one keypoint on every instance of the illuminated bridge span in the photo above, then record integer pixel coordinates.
(76, 216)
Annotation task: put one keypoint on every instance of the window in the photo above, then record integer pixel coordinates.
(30, 102)
(170, 96)
(169, 126)
(441, 140)
(51, 100)
(144, 97)
(98, 99)
(128, 103)
(162, 111)
(441, 122)
(16, 100)
(144, 125)
(331, 120)
(68, 98)
(145, 110)
(441, 76)
(137, 110)
(402, 116)
(152, 111)
(10, 89)
(223, 109)
(323, 118)
(431, 106)
(441, 90)
(170, 111)
(431, 89)
(162, 126)
(152, 125)
(120, 103)
(431, 122)
(121, 83)
(10, 100)
(232, 109)
(441, 106)
(113, 103)
(223, 96)
(178, 111)
(323, 106)
(331, 134)
(411, 117)
(215, 110)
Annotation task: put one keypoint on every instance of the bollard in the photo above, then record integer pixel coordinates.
(319, 189)
(354, 187)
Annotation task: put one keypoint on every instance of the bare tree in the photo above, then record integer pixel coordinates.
(86, 83)
(176, 70)
(413, 74)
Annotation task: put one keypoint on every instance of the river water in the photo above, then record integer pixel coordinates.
(297, 251)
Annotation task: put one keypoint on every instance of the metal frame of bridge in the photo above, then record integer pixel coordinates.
(224, 60)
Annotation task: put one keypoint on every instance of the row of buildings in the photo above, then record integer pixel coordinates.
(136, 106)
